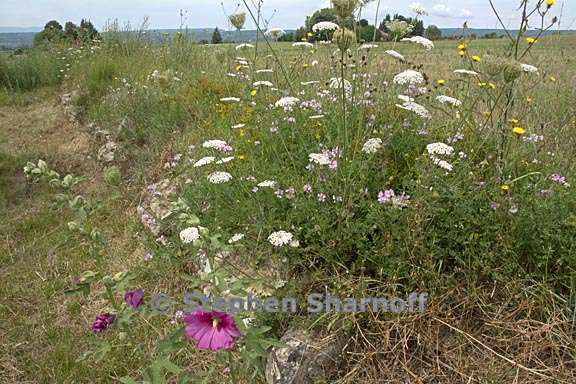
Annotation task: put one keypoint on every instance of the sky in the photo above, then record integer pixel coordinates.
(288, 14)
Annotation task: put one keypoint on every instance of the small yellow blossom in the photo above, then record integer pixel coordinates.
(253, 92)
(529, 99)
(238, 68)
(487, 113)
(505, 188)
(462, 53)
(514, 120)
(550, 3)
(552, 79)
(306, 65)
(519, 130)
(492, 85)
(441, 82)
(462, 47)
(241, 157)
(309, 34)
(241, 133)
(482, 84)
(476, 58)
(531, 40)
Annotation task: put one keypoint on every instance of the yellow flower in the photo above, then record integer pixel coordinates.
(476, 58)
(487, 113)
(492, 85)
(305, 65)
(482, 84)
(550, 3)
(529, 99)
(309, 34)
(519, 130)
(238, 68)
(253, 92)
(241, 157)
(514, 121)
(462, 47)
(441, 82)
(531, 40)
(462, 53)
(505, 188)
(552, 78)
(241, 133)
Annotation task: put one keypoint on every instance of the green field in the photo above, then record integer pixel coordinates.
(491, 237)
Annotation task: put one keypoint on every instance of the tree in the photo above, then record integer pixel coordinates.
(418, 25)
(87, 33)
(433, 33)
(216, 36)
(71, 31)
(52, 33)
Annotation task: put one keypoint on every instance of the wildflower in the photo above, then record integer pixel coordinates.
(236, 238)
(219, 145)
(244, 46)
(344, 38)
(211, 330)
(134, 299)
(505, 188)
(385, 196)
(102, 322)
(275, 33)
(287, 102)
(238, 20)
(420, 40)
(476, 58)
(265, 71)
(519, 130)
(321, 197)
(225, 160)
(552, 78)
(549, 3)
(462, 53)
(307, 188)
(417, 109)
(462, 47)
(325, 26)
(280, 238)
(449, 100)
(533, 138)
(439, 149)
(204, 161)
(529, 99)
(528, 68)
(219, 177)
(494, 205)
(345, 8)
(442, 164)
(148, 257)
(319, 158)
(531, 40)
(441, 82)
(189, 235)
(267, 184)
(410, 77)
(514, 120)
(559, 179)
(230, 100)
(367, 46)
(372, 146)
(466, 72)
(395, 55)
(303, 44)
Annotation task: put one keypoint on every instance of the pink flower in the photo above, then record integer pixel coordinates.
(134, 299)
(211, 330)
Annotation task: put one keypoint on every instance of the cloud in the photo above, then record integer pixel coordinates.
(441, 10)
(466, 12)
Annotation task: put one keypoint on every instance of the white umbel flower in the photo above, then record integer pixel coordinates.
(409, 77)
(225, 160)
(420, 40)
(440, 149)
(528, 68)
(319, 158)
(372, 146)
(236, 238)
(367, 46)
(216, 144)
(395, 55)
(267, 184)
(449, 100)
(442, 164)
(219, 177)
(416, 108)
(325, 26)
(262, 84)
(466, 72)
(406, 99)
(242, 46)
(280, 238)
(303, 44)
(287, 102)
(204, 161)
(230, 100)
(189, 235)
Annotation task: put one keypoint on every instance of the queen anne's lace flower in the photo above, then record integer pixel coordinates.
(449, 100)
(367, 46)
(528, 68)
(416, 108)
(325, 26)
(440, 149)
(236, 238)
(395, 55)
(280, 238)
(242, 46)
(409, 77)
(262, 84)
(372, 146)
(466, 72)
(267, 184)
(219, 145)
(303, 44)
(420, 40)
(319, 158)
(287, 102)
(204, 161)
(189, 235)
(230, 100)
(219, 177)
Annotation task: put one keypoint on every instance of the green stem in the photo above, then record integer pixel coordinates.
(232, 368)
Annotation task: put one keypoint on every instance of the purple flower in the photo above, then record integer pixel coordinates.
(559, 179)
(211, 330)
(386, 196)
(494, 205)
(102, 322)
(134, 299)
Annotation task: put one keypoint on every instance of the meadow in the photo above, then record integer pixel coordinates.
(240, 170)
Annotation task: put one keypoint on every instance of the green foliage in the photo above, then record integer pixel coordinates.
(29, 71)
(433, 33)
(216, 36)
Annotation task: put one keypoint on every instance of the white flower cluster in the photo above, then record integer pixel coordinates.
(395, 55)
(243, 46)
(372, 146)
(189, 235)
(420, 40)
(287, 102)
(440, 149)
(367, 46)
(325, 26)
(416, 108)
(448, 100)
(267, 184)
(219, 177)
(466, 72)
(262, 83)
(319, 158)
(204, 161)
(528, 68)
(303, 44)
(409, 77)
(282, 238)
(236, 238)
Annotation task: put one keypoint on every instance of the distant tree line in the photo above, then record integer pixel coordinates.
(53, 32)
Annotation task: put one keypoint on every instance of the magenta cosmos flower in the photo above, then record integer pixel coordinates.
(134, 299)
(211, 330)
(102, 322)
